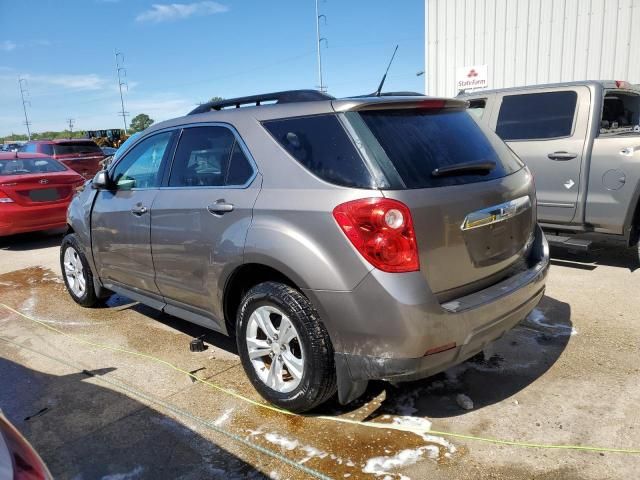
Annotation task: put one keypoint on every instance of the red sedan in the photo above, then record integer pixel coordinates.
(35, 191)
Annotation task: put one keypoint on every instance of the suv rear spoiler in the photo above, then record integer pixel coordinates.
(395, 102)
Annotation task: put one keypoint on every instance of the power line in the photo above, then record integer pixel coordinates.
(322, 87)
(22, 83)
(121, 71)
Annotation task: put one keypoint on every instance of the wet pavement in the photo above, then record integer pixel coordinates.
(78, 387)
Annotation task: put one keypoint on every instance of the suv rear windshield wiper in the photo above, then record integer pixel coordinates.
(466, 168)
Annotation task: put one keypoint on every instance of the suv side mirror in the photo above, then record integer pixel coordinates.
(101, 181)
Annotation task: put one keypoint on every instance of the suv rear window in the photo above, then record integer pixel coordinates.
(322, 145)
(537, 116)
(75, 148)
(419, 141)
(21, 166)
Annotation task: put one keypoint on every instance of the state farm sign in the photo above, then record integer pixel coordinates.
(472, 78)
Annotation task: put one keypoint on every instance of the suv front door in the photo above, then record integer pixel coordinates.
(121, 217)
(200, 221)
(547, 130)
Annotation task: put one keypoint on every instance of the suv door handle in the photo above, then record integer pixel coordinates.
(139, 210)
(220, 207)
(562, 156)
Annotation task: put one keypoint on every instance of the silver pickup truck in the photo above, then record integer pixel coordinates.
(581, 140)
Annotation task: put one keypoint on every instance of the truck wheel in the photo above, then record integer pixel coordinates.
(76, 272)
(284, 347)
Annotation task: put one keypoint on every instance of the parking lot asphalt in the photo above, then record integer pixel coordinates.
(103, 393)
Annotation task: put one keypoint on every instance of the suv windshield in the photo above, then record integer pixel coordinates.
(416, 143)
(75, 148)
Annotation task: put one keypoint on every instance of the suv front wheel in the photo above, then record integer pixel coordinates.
(284, 347)
(76, 272)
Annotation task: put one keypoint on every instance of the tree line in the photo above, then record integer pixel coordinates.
(138, 123)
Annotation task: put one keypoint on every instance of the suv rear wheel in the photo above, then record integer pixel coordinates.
(284, 347)
(76, 272)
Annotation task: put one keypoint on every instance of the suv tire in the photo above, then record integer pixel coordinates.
(285, 349)
(76, 272)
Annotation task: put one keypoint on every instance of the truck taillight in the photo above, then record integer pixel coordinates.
(382, 231)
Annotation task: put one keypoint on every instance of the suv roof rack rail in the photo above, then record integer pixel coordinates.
(287, 96)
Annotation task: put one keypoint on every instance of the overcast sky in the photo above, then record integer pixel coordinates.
(178, 54)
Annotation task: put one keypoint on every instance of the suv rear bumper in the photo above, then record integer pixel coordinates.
(386, 327)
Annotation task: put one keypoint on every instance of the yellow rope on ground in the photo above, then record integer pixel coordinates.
(383, 426)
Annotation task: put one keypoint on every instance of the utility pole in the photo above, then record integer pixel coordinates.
(121, 72)
(22, 83)
(321, 86)
(71, 121)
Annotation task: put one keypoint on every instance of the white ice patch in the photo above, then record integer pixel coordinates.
(27, 307)
(135, 473)
(309, 451)
(537, 317)
(381, 466)
(281, 441)
(421, 427)
(223, 418)
(405, 403)
(464, 401)
(312, 452)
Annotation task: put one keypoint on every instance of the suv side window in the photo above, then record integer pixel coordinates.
(29, 148)
(46, 148)
(537, 116)
(321, 144)
(209, 157)
(140, 167)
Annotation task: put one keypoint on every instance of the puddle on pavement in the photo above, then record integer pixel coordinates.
(339, 450)
(29, 277)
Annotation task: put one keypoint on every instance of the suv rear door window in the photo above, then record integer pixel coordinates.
(417, 142)
(322, 146)
(537, 116)
(209, 157)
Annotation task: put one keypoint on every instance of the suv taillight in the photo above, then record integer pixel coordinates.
(381, 229)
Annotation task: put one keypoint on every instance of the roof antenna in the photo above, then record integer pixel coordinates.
(384, 77)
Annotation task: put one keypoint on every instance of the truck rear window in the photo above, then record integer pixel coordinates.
(322, 145)
(620, 114)
(537, 116)
(417, 142)
(75, 148)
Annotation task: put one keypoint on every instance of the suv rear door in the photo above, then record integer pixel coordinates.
(547, 129)
(121, 217)
(199, 221)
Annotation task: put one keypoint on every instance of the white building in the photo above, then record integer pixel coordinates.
(506, 43)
